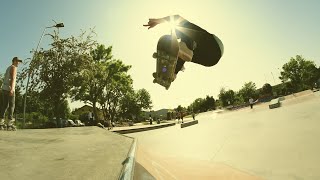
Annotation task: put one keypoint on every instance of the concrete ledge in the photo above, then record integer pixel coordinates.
(190, 123)
(275, 103)
(133, 130)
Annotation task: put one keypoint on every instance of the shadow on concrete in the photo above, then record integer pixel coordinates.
(141, 173)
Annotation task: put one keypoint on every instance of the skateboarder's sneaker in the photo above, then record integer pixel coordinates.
(2, 122)
(2, 125)
(11, 125)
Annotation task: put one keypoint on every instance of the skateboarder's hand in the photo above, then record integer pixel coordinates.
(153, 22)
(11, 93)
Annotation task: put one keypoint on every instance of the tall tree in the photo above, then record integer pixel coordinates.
(117, 84)
(227, 97)
(209, 103)
(54, 69)
(132, 103)
(248, 90)
(301, 73)
(196, 105)
(143, 99)
(93, 78)
(1, 79)
(128, 105)
(266, 89)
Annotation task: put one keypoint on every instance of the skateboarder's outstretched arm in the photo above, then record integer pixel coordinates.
(183, 26)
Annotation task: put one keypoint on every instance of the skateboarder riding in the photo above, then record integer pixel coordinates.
(196, 45)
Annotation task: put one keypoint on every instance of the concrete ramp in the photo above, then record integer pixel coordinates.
(299, 94)
(67, 153)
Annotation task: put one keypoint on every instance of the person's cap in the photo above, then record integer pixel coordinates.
(16, 59)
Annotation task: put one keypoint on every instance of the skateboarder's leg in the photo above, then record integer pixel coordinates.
(4, 107)
(209, 48)
(186, 48)
(185, 53)
(208, 52)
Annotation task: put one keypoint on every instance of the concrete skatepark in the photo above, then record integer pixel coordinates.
(258, 143)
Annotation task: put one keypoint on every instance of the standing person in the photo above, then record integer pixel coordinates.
(150, 119)
(193, 116)
(181, 115)
(110, 125)
(196, 45)
(251, 102)
(178, 117)
(8, 94)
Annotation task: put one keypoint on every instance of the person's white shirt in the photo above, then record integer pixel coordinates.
(251, 101)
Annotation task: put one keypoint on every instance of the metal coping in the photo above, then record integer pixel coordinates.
(127, 171)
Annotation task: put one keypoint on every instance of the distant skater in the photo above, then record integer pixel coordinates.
(251, 102)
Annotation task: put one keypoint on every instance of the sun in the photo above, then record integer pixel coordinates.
(173, 24)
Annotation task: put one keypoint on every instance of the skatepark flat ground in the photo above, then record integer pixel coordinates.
(62, 153)
(258, 143)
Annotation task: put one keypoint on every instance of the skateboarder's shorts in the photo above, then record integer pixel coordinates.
(208, 51)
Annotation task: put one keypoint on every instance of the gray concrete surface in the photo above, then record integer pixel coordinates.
(258, 143)
(59, 154)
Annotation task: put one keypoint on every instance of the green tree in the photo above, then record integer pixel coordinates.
(248, 90)
(238, 99)
(179, 108)
(133, 103)
(196, 105)
(144, 99)
(117, 84)
(1, 79)
(227, 97)
(54, 70)
(266, 89)
(209, 103)
(301, 73)
(128, 105)
(90, 83)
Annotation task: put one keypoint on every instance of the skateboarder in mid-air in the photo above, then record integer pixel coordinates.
(196, 44)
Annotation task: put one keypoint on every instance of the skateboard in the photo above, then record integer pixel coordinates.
(166, 56)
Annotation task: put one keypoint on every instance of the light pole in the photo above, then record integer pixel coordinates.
(57, 25)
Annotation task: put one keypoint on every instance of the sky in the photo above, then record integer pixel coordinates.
(259, 36)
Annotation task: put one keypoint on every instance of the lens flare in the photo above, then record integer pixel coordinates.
(164, 69)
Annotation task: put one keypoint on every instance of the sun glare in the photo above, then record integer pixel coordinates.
(172, 24)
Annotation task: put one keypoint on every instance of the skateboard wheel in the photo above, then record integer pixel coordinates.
(155, 55)
(154, 75)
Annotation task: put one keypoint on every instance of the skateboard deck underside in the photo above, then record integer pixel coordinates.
(166, 55)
